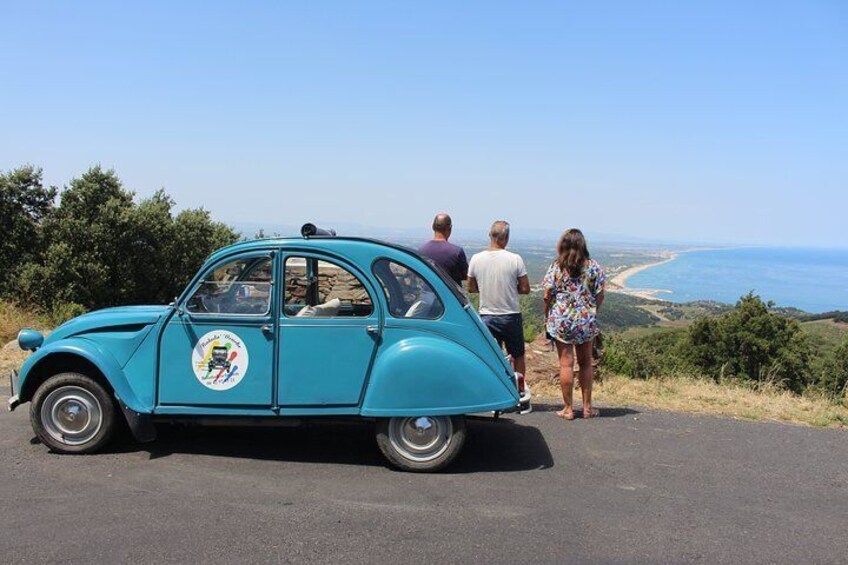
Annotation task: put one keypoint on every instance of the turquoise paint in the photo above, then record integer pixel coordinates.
(324, 363)
(140, 370)
(417, 374)
(125, 318)
(249, 364)
(30, 339)
(101, 358)
(373, 366)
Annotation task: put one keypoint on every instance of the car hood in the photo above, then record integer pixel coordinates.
(129, 317)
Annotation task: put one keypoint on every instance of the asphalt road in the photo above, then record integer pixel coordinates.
(631, 487)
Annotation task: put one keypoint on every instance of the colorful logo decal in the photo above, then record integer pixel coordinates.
(220, 360)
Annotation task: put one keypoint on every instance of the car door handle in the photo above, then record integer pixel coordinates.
(372, 330)
(268, 329)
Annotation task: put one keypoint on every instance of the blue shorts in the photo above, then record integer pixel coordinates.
(508, 331)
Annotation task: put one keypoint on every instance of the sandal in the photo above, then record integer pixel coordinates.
(592, 413)
(565, 414)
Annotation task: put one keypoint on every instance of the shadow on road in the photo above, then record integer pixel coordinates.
(606, 412)
(502, 445)
(491, 446)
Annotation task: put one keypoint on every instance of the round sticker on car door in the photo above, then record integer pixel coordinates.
(220, 360)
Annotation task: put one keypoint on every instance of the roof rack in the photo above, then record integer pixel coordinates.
(308, 230)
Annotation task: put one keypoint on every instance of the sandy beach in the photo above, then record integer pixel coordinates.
(618, 283)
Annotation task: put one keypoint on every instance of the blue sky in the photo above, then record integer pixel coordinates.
(697, 121)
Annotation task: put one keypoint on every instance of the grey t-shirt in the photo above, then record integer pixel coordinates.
(497, 273)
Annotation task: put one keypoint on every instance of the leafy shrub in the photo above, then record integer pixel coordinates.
(834, 374)
(751, 342)
(62, 312)
(654, 355)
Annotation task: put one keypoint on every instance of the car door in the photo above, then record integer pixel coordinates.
(218, 349)
(328, 332)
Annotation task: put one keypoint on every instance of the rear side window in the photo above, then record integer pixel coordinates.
(315, 288)
(407, 293)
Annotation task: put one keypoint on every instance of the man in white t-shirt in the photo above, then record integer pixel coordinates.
(500, 276)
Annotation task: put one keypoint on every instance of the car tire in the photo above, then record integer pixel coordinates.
(72, 413)
(421, 444)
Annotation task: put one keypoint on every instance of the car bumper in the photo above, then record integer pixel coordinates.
(15, 387)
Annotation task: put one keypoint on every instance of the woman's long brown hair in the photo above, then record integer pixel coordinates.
(573, 252)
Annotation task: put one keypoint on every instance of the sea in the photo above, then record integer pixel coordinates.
(814, 280)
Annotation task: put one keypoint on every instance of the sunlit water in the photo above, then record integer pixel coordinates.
(815, 280)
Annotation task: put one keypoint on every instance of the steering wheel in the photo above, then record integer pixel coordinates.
(208, 305)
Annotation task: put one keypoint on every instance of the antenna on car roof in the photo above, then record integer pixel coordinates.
(309, 230)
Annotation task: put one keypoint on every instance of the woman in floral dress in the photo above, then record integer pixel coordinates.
(574, 290)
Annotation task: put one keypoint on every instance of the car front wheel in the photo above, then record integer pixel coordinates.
(72, 413)
(421, 443)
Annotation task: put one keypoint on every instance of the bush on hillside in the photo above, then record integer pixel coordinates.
(834, 374)
(658, 354)
(750, 343)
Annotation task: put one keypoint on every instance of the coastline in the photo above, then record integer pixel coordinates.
(618, 283)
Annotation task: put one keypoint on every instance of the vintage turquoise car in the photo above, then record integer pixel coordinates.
(278, 328)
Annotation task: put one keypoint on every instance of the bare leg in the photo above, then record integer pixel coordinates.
(566, 379)
(519, 365)
(586, 377)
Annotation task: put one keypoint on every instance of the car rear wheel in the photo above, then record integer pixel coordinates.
(72, 413)
(421, 443)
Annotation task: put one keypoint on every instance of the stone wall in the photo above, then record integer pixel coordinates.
(332, 283)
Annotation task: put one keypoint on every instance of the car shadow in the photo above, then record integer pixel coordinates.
(500, 445)
(606, 412)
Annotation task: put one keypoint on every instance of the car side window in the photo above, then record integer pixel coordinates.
(315, 288)
(241, 287)
(407, 293)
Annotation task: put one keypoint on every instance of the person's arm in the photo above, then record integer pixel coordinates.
(523, 279)
(472, 280)
(462, 266)
(600, 285)
(524, 285)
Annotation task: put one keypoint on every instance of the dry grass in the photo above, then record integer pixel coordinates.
(706, 397)
(681, 394)
(12, 319)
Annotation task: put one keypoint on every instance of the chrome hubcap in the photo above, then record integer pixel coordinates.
(421, 438)
(71, 415)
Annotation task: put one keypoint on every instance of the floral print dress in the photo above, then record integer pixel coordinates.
(572, 318)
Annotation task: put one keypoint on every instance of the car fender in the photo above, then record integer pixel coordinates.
(90, 351)
(430, 375)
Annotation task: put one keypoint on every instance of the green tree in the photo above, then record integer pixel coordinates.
(24, 202)
(104, 249)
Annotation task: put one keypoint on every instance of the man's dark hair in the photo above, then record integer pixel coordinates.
(442, 223)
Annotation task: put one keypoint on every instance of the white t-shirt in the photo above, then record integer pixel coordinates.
(497, 273)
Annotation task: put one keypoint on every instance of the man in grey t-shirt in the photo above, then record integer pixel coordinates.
(500, 276)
